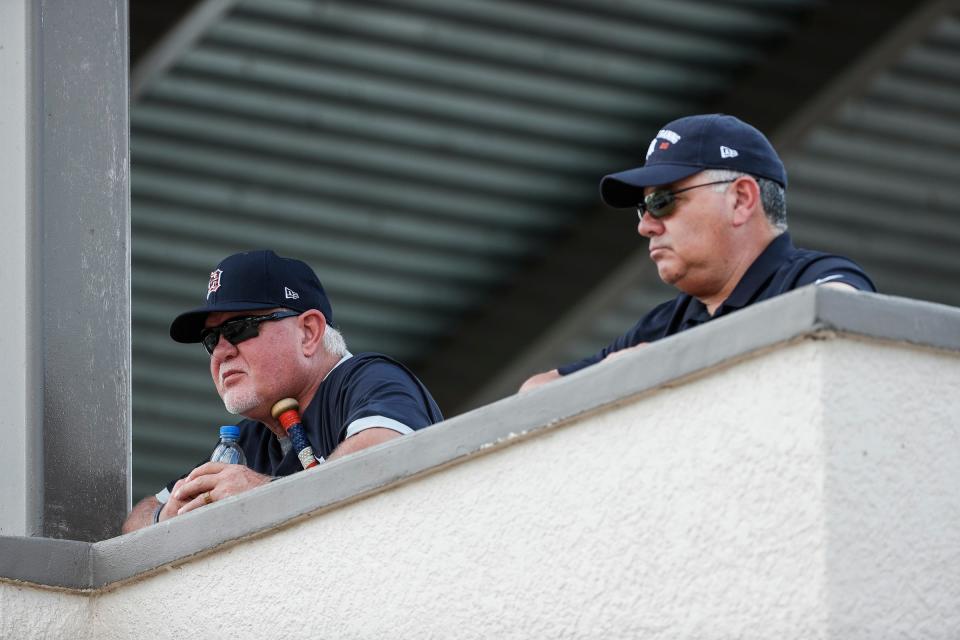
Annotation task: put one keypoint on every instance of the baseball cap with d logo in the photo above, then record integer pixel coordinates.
(252, 281)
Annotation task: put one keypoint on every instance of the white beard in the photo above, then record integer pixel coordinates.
(240, 401)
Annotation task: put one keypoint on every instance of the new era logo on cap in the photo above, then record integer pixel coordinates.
(727, 152)
(290, 294)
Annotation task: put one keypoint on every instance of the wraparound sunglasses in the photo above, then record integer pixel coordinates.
(662, 203)
(236, 330)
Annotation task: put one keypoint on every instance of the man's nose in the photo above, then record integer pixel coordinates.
(649, 226)
(224, 349)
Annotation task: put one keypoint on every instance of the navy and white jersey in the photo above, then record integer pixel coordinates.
(362, 391)
(780, 268)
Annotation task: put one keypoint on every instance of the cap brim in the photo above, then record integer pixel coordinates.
(187, 326)
(625, 189)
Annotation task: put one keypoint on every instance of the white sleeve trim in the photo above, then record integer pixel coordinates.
(831, 278)
(369, 422)
(163, 496)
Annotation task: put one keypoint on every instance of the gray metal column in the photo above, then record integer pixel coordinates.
(84, 193)
(74, 278)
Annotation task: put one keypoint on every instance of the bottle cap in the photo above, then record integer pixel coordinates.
(230, 431)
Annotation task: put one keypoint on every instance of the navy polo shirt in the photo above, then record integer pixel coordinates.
(780, 268)
(362, 391)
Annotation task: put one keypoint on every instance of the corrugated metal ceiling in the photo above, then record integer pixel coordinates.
(415, 153)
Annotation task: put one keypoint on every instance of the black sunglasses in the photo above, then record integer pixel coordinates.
(236, 330)
(661, 203)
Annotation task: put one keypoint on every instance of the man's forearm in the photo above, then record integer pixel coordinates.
(141, 515)
(366, 438)
(539, 379)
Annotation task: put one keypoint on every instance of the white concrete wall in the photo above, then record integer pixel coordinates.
(810, 492)
(892, 504)
(29, 612)
(649, 519)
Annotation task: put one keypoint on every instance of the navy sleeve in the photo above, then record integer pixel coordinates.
(651, 327)
(381, 393)
(835, 269)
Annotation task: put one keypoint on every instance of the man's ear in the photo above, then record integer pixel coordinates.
(312, 327)
(746, 193)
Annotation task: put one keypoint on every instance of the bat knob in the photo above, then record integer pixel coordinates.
(286, 404)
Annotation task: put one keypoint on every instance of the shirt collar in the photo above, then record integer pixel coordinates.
(339, 362)
(762, 268)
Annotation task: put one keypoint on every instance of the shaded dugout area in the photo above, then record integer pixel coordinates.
(437, 162)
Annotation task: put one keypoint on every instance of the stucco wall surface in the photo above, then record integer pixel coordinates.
(809, 491)
(29, 612)
(694, 511)
(892, 500)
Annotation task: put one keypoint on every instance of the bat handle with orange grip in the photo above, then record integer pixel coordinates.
(287, 411)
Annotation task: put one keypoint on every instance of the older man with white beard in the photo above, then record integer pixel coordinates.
(267, 326)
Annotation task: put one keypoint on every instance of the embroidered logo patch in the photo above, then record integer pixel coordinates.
(290, 294)
(670, 137)
(214, 283)
(727, 152)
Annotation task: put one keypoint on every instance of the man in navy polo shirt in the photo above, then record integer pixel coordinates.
(711, 200)
(268, 327)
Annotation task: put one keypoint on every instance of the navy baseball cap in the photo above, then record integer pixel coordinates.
(690, 145)
(251, 281)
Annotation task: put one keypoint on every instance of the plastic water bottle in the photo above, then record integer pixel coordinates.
(228, 449)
